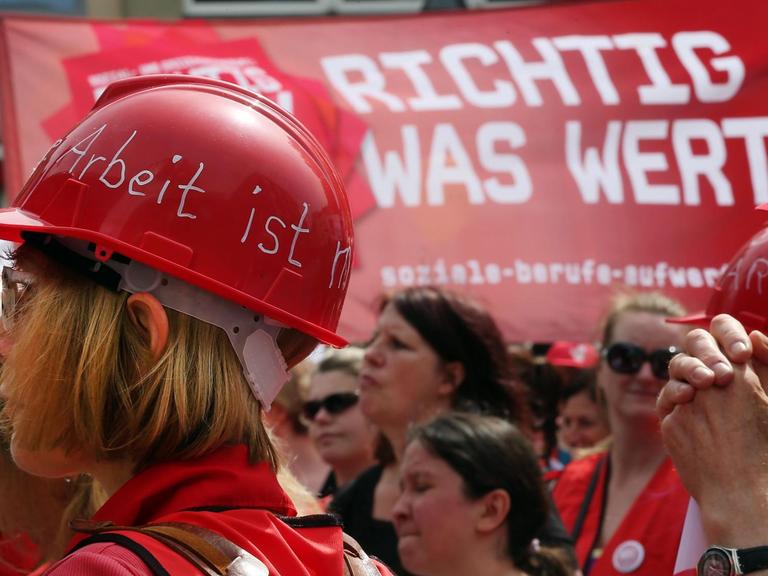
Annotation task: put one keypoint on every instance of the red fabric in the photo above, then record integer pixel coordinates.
(223, 479)
(655, 519)
(18, 555)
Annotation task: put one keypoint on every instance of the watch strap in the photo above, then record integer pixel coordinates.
(752, 559)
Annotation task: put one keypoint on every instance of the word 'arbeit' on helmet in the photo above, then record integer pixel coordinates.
(210, 197)
(742, 290)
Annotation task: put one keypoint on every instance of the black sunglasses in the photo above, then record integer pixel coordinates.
(626, 358)
(333, 404)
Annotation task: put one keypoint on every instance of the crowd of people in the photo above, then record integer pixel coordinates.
(162, 413)
(435, 416)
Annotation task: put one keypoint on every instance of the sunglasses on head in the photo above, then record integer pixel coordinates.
(333, 404)
(626, 358)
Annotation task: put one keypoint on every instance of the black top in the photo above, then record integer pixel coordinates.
(354, 503)
(329, 486)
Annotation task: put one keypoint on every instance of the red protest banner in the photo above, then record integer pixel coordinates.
(535, 157)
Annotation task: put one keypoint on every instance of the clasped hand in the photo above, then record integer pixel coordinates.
(714, 421)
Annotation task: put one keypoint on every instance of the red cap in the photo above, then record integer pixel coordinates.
(572, 354)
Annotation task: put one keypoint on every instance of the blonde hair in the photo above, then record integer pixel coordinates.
(85, 375)
(292, 396)
(648, 302)
(348, 360)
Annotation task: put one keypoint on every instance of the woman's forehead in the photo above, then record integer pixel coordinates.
(640, 326)
(390, 317)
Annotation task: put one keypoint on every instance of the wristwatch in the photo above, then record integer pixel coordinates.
(720, 561)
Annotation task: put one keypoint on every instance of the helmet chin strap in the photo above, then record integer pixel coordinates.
(252, 335)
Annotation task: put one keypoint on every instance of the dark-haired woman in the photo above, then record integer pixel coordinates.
(626, 507)
(582, 420)
(473, 501)
(433, 351)
(341, 433)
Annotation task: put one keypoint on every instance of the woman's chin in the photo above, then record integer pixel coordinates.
(53, 463)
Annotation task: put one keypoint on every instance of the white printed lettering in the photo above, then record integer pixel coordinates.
(638, 163)
(90, 163)
(411, 64)
(137, 179)
(686, 44)
(396, 175)
(88, 140)
(449, 164)
(370, 86)
(758, 271)
(299, 230)
(661, 90)
(276, 246)
(754, 132)
(186, 188)
(594, 171)
(590, 47)
(708, 166)
(488, 136)
(550, 68)
(347, 253)
(119, 162)
(453, 57)
(248, 226)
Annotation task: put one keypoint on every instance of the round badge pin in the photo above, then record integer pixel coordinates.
(628, 556)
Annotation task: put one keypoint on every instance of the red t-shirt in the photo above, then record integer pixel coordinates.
(646, 541)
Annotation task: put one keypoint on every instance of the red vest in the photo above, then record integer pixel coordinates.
(18, 555)
(224, 493)
(646, 541)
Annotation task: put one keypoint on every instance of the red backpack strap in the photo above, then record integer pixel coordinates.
(129, 543)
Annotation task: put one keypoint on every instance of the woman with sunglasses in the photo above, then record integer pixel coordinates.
(155, 306)
(625, 507)
(287, 423)
(343, 436)
(433, 351)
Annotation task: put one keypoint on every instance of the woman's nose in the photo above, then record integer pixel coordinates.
(400, 511)
(645, 372)
(322, 416)
(372, 354)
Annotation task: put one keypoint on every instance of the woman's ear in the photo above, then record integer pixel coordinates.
(146, 312)
(454, 376)
(493, 510)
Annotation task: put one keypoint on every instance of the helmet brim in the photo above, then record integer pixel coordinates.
(15, 221)
(697, 319)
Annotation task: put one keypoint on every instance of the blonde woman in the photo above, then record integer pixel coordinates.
(181, 248)
(625, 506)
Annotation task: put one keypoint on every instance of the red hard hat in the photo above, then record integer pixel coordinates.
(207, 182)
(742, 290)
